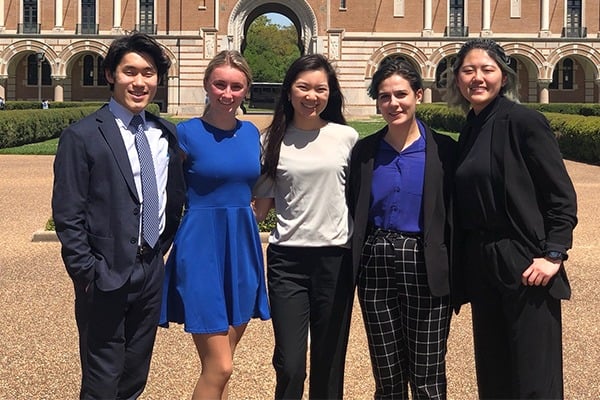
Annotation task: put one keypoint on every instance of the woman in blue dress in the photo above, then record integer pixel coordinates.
(214, 280)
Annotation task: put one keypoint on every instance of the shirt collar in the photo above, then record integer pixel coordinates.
(121, 113)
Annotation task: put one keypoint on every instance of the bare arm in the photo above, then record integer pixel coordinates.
(261, 207)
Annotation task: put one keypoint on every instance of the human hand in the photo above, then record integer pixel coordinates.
(540, 272)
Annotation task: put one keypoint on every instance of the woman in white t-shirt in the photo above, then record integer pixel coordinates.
(306, 153)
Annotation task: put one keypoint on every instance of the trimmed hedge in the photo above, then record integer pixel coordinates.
(578, 136)
(36, 105)
(19, 127)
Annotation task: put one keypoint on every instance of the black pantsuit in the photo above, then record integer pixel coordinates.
(516, 202)
(117, 331)
(310, 288)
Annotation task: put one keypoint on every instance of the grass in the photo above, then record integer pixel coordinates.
(47, 147)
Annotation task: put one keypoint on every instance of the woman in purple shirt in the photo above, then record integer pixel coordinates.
(399, 194)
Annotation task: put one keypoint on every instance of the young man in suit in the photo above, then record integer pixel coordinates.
(117, 200)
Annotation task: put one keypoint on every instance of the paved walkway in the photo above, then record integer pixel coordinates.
(38, 337)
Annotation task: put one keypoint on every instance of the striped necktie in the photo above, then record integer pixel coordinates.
(150, 221)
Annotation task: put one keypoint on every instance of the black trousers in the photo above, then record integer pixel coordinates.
(310, 288)
(117, 331)
(517, 331)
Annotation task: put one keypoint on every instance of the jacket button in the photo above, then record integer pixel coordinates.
(136, 211)
(133, 240)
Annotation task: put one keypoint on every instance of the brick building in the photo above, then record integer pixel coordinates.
(53, 48)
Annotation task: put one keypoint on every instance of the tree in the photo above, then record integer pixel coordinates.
(270, 49)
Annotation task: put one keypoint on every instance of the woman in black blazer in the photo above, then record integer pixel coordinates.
(515, 213)
(399, 193)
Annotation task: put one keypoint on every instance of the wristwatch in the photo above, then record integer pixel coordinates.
(554, 255)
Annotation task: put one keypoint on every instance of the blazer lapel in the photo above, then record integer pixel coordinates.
(109, 129)
(433, 174)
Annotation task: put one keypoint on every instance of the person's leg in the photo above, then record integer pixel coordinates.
(378, 297)
(235, 335)
(331, 296)
(536, 344)
(141, 322)
(216, 358)
(425, 322)
(100, 321)
(288, 283)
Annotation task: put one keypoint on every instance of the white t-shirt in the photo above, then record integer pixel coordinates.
(309, 190)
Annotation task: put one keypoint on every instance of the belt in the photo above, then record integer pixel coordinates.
(384, 232)
(145, 250)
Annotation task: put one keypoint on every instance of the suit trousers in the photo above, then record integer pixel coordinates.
(517, 332)
(117, 331)
(310, 288)
(407, 327)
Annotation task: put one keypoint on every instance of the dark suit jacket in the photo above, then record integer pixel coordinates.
(440, 156)
(95, 203)
(532, 183)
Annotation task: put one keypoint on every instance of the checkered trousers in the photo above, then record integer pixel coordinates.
(407, 328)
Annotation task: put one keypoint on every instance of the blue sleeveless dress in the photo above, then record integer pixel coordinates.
(214, 275)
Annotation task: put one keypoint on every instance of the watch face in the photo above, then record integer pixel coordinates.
(554, 255)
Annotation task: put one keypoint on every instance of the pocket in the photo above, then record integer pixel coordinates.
(512, 259)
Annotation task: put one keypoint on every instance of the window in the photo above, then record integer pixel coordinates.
(32, 71)
(92, 73)
(146, 17)
(30, 16)
(573, 27)
(101, 80)
(88, 70)
(567, 81)
(444, 72)
(88, 17)
(563, 75)
(456, 19)
(343, 4)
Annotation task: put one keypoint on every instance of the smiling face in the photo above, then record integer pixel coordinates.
(479, 79)
(397, 101)
(226, 88)
(135, 80)
(309, 95)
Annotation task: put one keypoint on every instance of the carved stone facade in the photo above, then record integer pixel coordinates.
(554, 43)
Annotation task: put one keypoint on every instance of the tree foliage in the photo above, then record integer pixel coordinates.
(270, 49)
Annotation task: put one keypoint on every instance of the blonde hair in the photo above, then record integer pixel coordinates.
(232, 58)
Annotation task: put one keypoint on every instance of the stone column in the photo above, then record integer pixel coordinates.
(427, 85)
(173, 106)
(116, 17)
(545, 19)
(3, 81)
(57, 82)
(486, 23)
(2, 27)
(544, 94)
(58, 16)
(427, 18)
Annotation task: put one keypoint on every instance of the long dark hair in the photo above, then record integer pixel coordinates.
(284, 112)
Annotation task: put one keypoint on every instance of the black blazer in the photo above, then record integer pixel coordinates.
(532, 183)
(440, 157)
(95, 203)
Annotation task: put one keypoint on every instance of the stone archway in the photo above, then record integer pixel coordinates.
(299, 12)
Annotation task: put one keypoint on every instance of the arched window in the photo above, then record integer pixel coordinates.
(88, 70)
(100, 72)
(567, 81)
(32, 70)
(563, 75)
